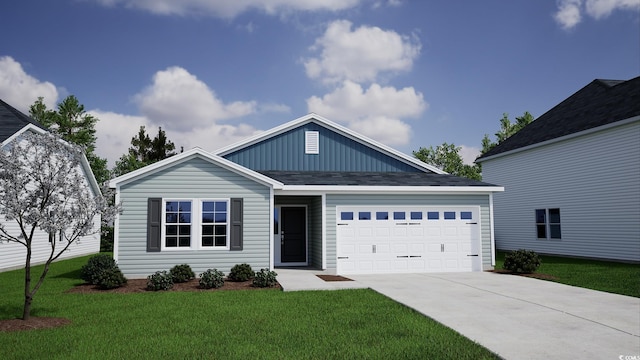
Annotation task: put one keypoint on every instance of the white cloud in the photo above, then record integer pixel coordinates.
(231, 8)
(179, 101)
(570, 12)
(21, 90)
(468, 154)
(360, 55)
(375, 112)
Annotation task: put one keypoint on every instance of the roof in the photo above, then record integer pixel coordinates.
(12, 121)
(602, 102)
(337, 178)
(334, 127)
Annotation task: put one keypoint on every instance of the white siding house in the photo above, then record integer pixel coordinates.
(12, 255)
(572, 177)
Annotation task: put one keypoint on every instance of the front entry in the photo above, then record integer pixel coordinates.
(292, 236)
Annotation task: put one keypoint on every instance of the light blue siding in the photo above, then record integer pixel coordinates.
(333, 201)
(593, 179)
(195, 178)
(286, 152)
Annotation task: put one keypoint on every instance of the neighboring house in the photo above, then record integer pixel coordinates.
(309, 193)
(13, 123)
(572, 177)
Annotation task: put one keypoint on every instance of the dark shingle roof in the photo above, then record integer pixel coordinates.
(338, 178)
(600, 103)
(12, 120)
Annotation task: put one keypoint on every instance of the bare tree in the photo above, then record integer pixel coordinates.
(43, 189)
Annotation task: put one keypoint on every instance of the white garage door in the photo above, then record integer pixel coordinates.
(407, 239)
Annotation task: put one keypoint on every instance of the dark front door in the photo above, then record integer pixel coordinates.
(293, 234)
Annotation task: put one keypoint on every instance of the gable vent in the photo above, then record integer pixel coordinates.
(312, 142)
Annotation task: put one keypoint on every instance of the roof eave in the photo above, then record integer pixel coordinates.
(390, 189)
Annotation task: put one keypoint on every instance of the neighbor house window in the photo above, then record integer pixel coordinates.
(548, 224)
(178, 224)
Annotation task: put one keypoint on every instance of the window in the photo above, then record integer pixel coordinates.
(433, 215)
(465, 215)
(416, 215)
(382, 215)
(196, 224)
(214, 223)
(449, 215)
(364, 215)
(399, 215)
(548, 224)
(346, 215)
(178, 224)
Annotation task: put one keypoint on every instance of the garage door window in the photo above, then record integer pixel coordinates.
(416, 215)
(465, 215)
(382, 215)
(433, 215)
(399, 215)
(364, 215)
(449, 215)
(346, 215)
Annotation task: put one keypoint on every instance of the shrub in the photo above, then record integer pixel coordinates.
(211, 279)
(96, 265)
(160, 280)
(521, 261)
(241, 272)
(182, 273)
(111, 279)
(265, 278)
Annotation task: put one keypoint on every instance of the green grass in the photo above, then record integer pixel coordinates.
(267, 324)
(613, 277)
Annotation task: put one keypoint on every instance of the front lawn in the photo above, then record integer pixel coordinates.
(613, 277)
(260, 324)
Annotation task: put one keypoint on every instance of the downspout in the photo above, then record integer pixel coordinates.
(493, 241)
(271, 238)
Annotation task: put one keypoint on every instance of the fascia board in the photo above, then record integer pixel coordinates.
(188, 155)
(562, 138)
(287, 189)
(334, 126)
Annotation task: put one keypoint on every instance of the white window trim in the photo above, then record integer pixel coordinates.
(196, 225)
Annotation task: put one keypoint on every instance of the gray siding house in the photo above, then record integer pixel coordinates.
(572, 177)
(13, 124)
(309, 193)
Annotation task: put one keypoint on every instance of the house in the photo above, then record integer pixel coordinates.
(13, 124)
(572, 177)
(309, 193)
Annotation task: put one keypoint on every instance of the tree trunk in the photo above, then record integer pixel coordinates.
(26, 312)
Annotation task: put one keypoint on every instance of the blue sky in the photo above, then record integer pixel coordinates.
(405, 73)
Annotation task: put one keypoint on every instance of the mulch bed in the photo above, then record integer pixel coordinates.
(534, 275)
(132, 286)
(333, 278)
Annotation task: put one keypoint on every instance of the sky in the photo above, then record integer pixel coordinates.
(408, 74)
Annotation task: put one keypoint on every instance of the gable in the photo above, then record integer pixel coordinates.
(333, 151)
(600, 103)
(12, 121)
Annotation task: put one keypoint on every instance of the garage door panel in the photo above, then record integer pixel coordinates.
(408, 239)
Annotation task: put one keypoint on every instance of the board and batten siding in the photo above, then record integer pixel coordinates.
(286, 152)
(193, 179)
(427, 200)
(593, 179)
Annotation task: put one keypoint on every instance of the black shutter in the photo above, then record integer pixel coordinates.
(154, 221)
(236, 224)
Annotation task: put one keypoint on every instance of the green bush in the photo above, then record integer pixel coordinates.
(182, 273)
(111, 279)
(265, 278)
(241, 272)
(95, 266)
(521, 261)
(160, 280)
(211, 279)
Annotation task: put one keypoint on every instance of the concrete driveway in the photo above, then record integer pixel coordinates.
(521, 318)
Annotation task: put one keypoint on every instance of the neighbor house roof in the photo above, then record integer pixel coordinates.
(339, 178)
(12, 121)
(602, 102)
